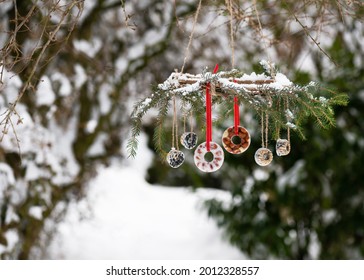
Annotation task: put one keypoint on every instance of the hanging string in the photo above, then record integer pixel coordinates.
(174, 102)
(208, 117)
(191, 121)
(176, 122)
(262, 132)
(209, 112)
(288, 128)
(191, 36)
(174, 126)
(266, 129)
(230, 8)
(236, 115)
(277, 124)
(184, 122)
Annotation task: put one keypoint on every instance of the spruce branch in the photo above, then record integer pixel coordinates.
(159, 133)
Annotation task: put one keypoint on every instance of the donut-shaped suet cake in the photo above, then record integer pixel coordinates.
(215, 163)
(175, 158)
(189, 140)
(263, 156)
(283, 147)
(228, 143)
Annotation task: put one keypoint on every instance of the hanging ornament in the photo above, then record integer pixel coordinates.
(236, 143)
(263, 156)
(217, 153)
(236, 139)
(283, 147)
(209, 165)
(189, 140)
(175, 158)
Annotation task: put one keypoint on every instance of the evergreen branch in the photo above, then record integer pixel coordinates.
(339, 99)
(133, 142)
(139, 110)
(159, 135)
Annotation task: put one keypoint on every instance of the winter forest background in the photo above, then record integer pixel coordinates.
(70, 72)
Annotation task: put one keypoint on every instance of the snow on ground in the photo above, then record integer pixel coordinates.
(131, 219)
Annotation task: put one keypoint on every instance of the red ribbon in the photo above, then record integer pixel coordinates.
(236, 115)
(208, 113)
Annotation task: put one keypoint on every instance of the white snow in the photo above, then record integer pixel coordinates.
(91, 126)
(260, 174)
(104, 98)
(323, 100)
(152, 36)
(121, 66)
(80, 77)
(244, 83)
(2, 84)
(188, 89)
(65, 88)
(33, 172)
(314, 247)
(291, 125)
(171, 82)
(89, 48)
(7, 172)
(11, 84)
(131, 219)
(62, 149)
(136, 50)
(45, 94)
(87, 8)
(36, 212)
(328, 216)
(267, 65)
(292, 176)
(98, 147)
(305, 62)
(12, 238)
(11, 216)
(146, 102)
(5, 6)
(281, 81)
(252, 77)
(289, 114)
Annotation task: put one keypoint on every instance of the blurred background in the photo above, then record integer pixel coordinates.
(70, 72)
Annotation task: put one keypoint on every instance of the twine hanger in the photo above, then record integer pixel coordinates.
(175, 126)
(286, 107)
(264, 132)
(185, 120)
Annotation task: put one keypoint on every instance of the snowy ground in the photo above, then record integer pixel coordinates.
(130, 219)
